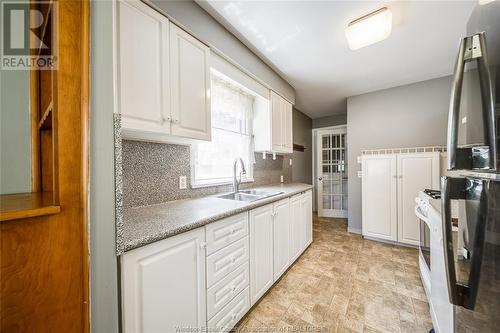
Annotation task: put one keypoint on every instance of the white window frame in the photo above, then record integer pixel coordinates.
(248, 178)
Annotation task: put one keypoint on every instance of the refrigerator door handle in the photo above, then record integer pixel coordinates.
(451, 188)
(454, 112)
(488, 100)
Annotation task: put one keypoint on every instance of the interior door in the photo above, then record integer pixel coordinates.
(379, 200)
(331, 155)
(415, 172)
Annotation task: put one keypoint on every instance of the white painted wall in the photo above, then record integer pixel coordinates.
(406, 116)
(103, 261)
(15, 132)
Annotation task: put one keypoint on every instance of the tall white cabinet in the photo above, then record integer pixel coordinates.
(162, 77)
(163, 284)
(390, 185)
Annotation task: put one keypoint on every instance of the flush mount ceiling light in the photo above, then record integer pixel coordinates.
(369, 29)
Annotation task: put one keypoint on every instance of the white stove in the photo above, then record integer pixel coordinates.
(431, 259)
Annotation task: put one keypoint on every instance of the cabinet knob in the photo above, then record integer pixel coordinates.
(203, 245)
(175, 120)
(233, 316)
(233, 289)
(233, 259)
(167, 119)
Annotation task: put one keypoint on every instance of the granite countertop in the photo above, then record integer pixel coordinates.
(147, 224)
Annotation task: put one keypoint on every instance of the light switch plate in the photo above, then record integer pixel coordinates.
(290, 162)
(281, 178)
(182, 182)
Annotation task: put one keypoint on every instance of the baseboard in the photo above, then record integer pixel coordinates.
(354, 230)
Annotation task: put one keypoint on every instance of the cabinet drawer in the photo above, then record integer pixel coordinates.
(225, 320)
(225, 290)
(224, 261)
(226, 231)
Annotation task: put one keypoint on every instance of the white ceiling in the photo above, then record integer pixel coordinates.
(304, 41)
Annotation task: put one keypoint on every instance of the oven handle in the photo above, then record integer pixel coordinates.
(421, 216)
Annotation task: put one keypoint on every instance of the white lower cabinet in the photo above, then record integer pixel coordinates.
(281, 237)
(229, 316)
(208, 278)
(261, 251)
(163, 284)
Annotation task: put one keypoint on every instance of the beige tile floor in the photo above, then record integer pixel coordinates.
(343, 283)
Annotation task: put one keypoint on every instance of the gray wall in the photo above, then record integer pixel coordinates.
(302, 135)
(151, 173)
(340, 119)
(406, 116)
(197, 21)
(103, 261)
(15, 132)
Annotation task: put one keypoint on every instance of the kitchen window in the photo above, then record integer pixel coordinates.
(232, 112)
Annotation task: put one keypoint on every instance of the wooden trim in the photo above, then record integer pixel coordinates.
(85, 87)
(22, 214)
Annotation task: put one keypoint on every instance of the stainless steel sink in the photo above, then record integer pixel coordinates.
(248, 195)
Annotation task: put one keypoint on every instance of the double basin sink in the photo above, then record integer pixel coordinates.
(248, 195)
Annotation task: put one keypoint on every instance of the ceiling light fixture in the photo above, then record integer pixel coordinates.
(369, 29)
(485, 2)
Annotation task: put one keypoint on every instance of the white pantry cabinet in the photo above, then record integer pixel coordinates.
(162, 77)
(163, 284)
(261, 251)
(416, 172)
(306, 206)
(296, 227)
(273, 127)
(390, 184)
(281, 237)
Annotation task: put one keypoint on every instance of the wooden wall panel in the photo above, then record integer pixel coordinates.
(44, 260)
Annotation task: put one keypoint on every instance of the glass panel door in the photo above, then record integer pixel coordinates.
(332, 172)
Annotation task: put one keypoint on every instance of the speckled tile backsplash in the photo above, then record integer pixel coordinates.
(151, 173)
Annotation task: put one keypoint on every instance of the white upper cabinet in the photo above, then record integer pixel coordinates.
(142, 68)
(273, 126)
(163, 285)
(190, 79)
(162, 77)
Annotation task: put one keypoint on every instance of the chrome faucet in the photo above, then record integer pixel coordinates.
(236, 182)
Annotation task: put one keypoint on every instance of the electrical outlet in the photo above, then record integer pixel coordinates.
(182, 182)
(274, 156)
(264, 156)
(281, 178)
(464, 120)
(290, 162)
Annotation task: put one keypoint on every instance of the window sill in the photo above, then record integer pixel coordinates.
(203, 185)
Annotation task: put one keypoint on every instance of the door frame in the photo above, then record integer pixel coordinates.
(314, 162)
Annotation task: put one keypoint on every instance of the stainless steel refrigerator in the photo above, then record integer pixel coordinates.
(472, 258)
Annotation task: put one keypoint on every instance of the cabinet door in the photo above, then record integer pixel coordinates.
(281, 236)
(416, 172)
(142, 68)
(287, 126)
(296, 228)
(277, 122)
(190, 80)
(261, 251)
(163, 285)
(379, 200)
(306, 207)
